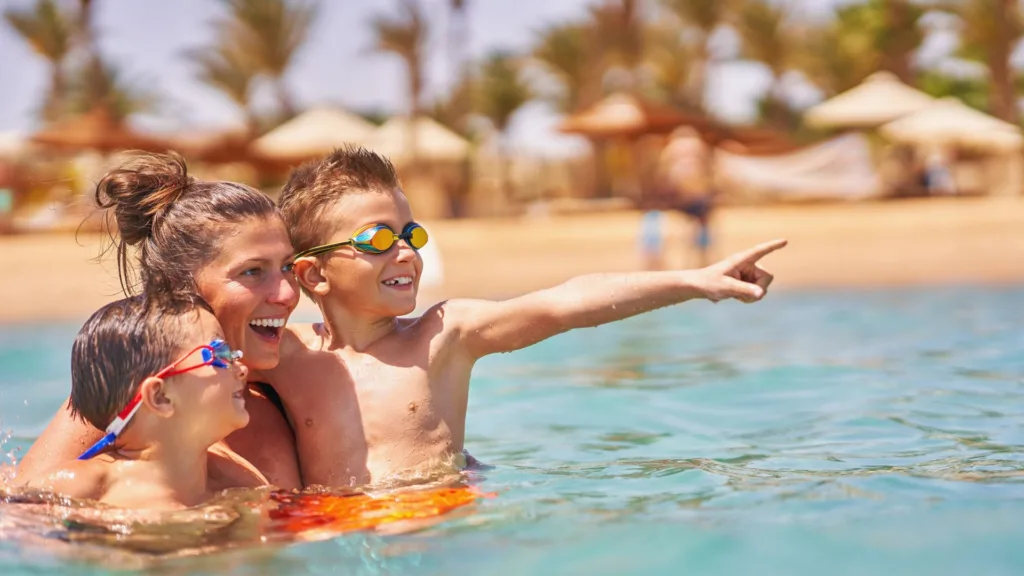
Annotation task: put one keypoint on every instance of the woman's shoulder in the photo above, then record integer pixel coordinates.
(297, 337)
(228, 469)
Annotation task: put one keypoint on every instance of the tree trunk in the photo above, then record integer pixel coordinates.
(54, 107)
(504, 168)
(284, 98)
(97, 93)
(602, 185)
(896, 57)
(698, 77)
(1002, 93)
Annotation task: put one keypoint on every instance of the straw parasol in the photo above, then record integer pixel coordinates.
(434, 142)
(879, 99)
(313, 134)
(622, 115)
(96, 130)
(949, 122)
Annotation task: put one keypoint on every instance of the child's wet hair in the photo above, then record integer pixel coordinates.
(122, 344)
(315, 187)
(174, 220)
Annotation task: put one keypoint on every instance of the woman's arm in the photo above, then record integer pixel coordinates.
(64, 440)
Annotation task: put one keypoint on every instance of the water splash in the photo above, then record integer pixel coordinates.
(9, 463)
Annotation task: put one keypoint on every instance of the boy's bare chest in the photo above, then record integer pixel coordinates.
(359, 400)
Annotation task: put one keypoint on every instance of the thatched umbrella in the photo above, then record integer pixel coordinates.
(312, 135)
(881, 98)
(951, 123)
(622, 115)
(434, 142)
(96, 130)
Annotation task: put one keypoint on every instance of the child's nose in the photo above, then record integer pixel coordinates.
(405, 251)
(241, 370)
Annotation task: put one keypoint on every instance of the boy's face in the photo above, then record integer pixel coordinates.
(367, 282)
(209, 401)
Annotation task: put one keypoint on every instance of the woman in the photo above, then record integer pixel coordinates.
(220, 241)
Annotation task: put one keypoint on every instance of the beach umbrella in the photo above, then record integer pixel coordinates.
(881, 98)
(622, 115)
(313, 134)
(950, 122)
(96, 130)
(434, 142)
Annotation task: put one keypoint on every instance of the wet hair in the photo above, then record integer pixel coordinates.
(173, 220)
(119, 346)
(315, 187)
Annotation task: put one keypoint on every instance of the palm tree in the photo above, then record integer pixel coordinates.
(50, 32)
(568, 53)
(232, 72)
(100, 85)
(990, 31)
(618, 36)
(901, 36)
(502, 92)
(669, 58)
(458, 35)
(456, 108)
(271, 32)
(863, 38)
(405, 36)
(840, 54)
(703, 17)
(763, 30)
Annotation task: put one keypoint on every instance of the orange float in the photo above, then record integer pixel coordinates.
(298, 513)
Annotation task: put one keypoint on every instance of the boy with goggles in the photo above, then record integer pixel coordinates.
(373, 394)
(163, 384)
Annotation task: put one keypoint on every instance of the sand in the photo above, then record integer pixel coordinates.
(919, 242)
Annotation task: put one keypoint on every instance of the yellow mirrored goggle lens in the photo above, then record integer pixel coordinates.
(382, 239)
(418, 238)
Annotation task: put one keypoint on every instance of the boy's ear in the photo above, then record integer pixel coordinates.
(154, 397)
(310, 276)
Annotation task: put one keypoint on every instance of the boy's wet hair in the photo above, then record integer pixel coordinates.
(119, 346)
(315, 187)
(172, 222)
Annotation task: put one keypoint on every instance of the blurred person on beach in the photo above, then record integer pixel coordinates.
(651, 241)
(379, 397)
(687, 168)
(158, 378)
(223, 243)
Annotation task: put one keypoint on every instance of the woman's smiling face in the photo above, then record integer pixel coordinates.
(251, 288)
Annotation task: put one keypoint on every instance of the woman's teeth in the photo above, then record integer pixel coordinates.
(268, 322)
(400, 281)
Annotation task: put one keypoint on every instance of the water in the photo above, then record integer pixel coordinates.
(847, 433)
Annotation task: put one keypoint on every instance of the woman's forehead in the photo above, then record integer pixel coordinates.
(265, 239)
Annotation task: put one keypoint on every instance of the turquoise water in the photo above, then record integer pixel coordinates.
(846, 433)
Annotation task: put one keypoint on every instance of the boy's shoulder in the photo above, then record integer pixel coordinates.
(81, 479)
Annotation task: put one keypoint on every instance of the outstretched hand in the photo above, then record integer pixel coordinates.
(739, 276)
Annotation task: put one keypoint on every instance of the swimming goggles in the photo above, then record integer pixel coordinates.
(375, 239)
(217, 353)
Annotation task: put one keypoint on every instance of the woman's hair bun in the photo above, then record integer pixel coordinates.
(141, 190)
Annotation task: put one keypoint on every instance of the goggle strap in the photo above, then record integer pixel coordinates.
(99, 446)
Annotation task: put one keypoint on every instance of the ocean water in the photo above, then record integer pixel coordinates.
(814, 432)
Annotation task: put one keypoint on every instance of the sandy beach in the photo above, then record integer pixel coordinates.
(920, 242)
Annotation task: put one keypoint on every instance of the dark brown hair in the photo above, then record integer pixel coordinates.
(314, 188)
(172, 219)
(118, 347)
